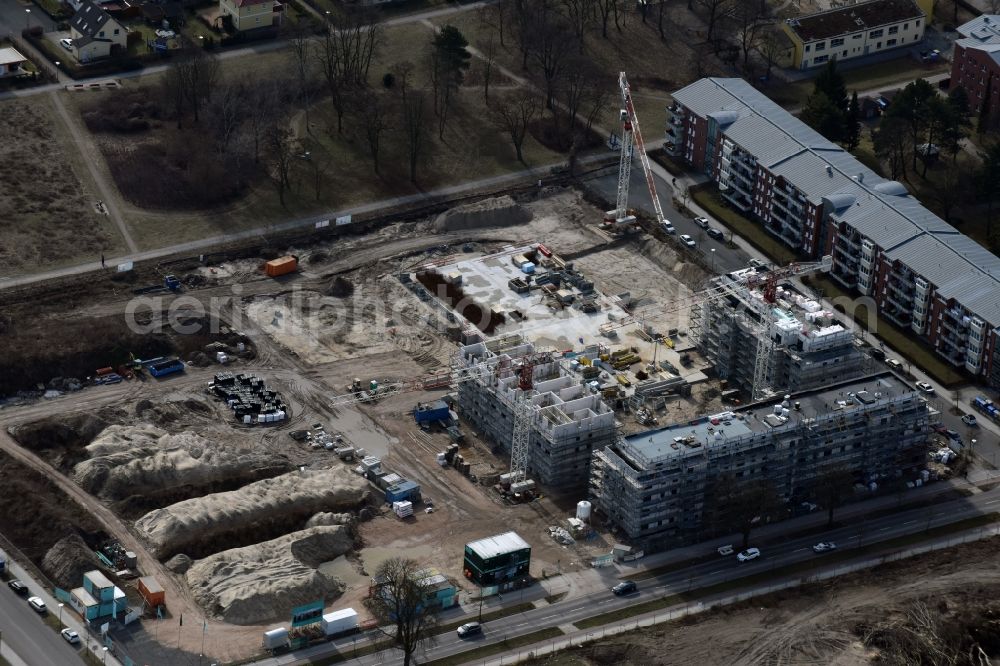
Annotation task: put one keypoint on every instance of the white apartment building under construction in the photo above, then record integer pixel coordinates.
(763, 348)
(567, 422)
(654, 487)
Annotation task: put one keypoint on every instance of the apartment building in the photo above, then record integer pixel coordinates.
(856, 30)
(763, 348)
(567, 422)
(809, 193)
(975, 64)
(654, 487)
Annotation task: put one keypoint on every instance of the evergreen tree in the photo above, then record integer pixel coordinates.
(831, 83)
(852, 123)
(821, 114)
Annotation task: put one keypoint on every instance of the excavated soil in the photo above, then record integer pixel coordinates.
(263, 582)
(68, 560)
(496, 212)
(205, 525)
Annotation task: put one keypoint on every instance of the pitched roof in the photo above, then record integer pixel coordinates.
(10, 56)
(853, 18)
(89, 19)
(882, 210)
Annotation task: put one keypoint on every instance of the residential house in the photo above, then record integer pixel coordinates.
(250, 14)
(856, 30)
(809, 193)
(94, 34)
(975, 65)
(11, 62)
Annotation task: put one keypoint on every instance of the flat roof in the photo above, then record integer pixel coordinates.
(98, 579)
(695, 436)
(151, 584)
(498, 545)
(85, 598)
(853, 18)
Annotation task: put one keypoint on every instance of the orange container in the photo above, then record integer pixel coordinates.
(151, 591)
(281, 266)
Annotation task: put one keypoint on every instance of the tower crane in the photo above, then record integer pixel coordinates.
(631, 138)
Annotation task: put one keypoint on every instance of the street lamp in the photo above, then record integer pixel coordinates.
(27, 19)
(105, 651)
(713, 259)
(60, 613)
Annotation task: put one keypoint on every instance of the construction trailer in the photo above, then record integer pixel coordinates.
(497, 563)
(656, 487)
(565, 422)
(151, 592)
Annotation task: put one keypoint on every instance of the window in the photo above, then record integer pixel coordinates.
(875, 33)
(808, 47)
(116, 31)
(890, 42)
(100, 34)
(845, 54)
(906, 26)
(820, 60)
(893, 30)
(857, 36)
(917, 24)
(878, 45)
(837, 42)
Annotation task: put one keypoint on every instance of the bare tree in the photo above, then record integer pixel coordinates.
(579, 15)
(833, 486)
(513, 114)
(489, 62)
(302, 64)
(198, 73)
(328, 54)
(261, 102)
(279, 150)
(549, 48)
(172, 87)
(580, 77)
(771, 47)
(604, 8)
(226, 114)
(715, 10)
(413, 109)
(398, 601)
(374, 114)
(750, 20)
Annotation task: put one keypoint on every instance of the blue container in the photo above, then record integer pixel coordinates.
(528, 268)
(402, 492)
(429, 413)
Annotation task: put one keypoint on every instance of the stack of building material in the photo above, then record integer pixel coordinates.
(403, 509)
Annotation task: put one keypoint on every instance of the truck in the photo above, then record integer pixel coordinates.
(339, 622)
(276, 639)
(986, 407)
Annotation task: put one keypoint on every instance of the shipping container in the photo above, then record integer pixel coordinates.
(276, 638)
(281, 266)
(151, 591)
(404, 491)
(166, 368)
(339, 622)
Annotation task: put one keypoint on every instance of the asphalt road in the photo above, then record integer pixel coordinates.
(28, 636)
(725, 259)
(713, 570)
(13, 18)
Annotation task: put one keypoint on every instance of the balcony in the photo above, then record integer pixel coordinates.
(899, 317)
(735, 198)
(902, 305)
(955, 329)
(673, 148)
(952, 355)
(845, 278)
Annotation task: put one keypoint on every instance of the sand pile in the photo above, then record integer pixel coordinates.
(259, 583)
(125, 461)
(496, 212)
(194, 524)
(67, 560)
(327, 518)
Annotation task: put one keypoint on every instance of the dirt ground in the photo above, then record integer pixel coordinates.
(48, 215)
(345, 315)
(829, 623)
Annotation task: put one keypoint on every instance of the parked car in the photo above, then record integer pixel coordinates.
(715, 233)
(748, 555)
(970, 420)
(625, 587)
(71, 636)
(925, 387)
(939, 429)
(758, 263)
(66, 44)
(37, 604)
(701, 222)
(953, 435)
(470, 629)
(725, 550)
(824, 547)
(18, 587)
(687, 240)
(668, 228)
(894, 364)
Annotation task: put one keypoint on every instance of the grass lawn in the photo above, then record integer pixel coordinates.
(799, 567)
(46, 207)
(708, 198)
(496, 648)
(901, 340)
(865, 152)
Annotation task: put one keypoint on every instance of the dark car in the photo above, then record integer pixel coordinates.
(18, 587)
(715, 233)
(625, 587)
(470, 629)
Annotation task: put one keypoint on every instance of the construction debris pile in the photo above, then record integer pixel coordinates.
(250, 398)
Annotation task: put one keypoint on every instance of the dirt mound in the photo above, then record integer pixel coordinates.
(340, 288)
(68, 560)
(500, 211)
(62, 439)
(328, 518)
(179, 563)
(156, 468)
(258, 583)
(258, 510)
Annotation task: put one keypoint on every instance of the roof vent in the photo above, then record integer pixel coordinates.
(861, 177)
(829, 170)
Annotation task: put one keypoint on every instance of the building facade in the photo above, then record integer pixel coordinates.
(923, 274)
(975, 65)
(567, 422)
(249, 14)
(654, 487)
(11, 62)
(856, 30)
(94, 34)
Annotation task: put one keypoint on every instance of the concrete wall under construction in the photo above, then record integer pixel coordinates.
(567, 422)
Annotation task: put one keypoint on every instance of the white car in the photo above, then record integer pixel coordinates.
(668, 228)
(37, 604)
(66, 44)
(748, 555)
(701, 222)
(970, 420)
(925, 387)
(687, 240)
(824, 547)
(71, 636)
(725, 550)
